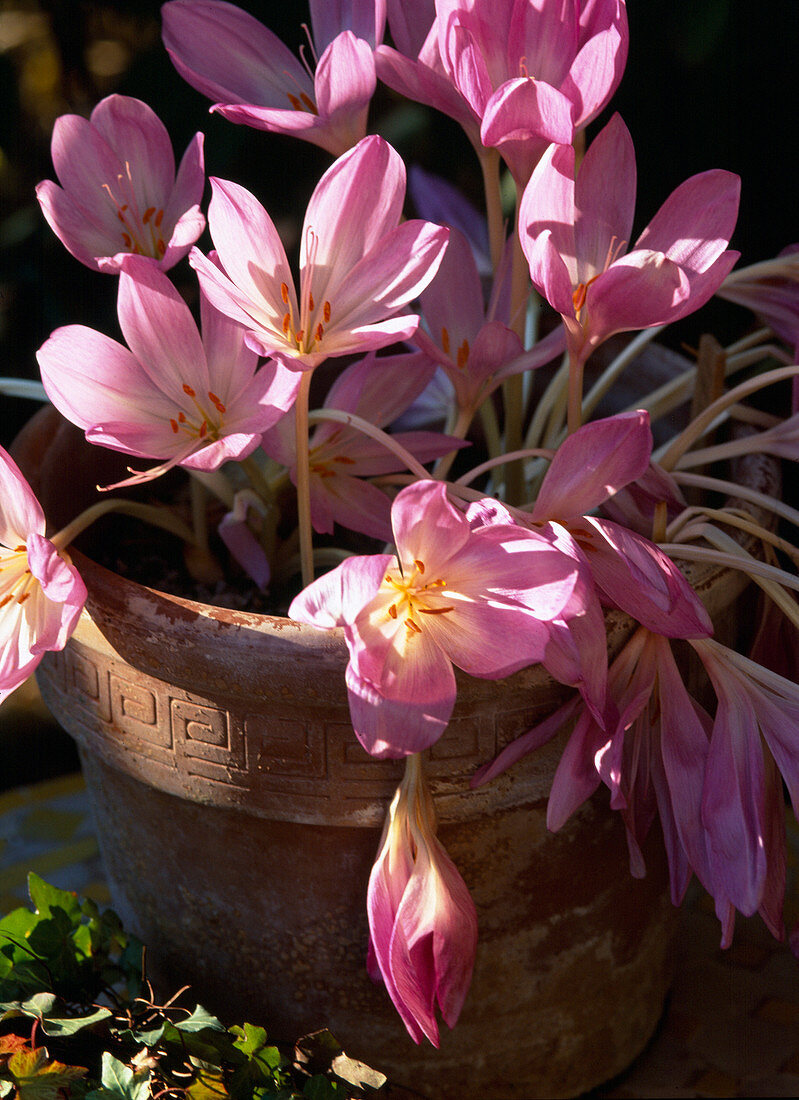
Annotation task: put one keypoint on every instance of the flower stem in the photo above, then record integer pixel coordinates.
(158, 517)
(489, 165)
(303, 479)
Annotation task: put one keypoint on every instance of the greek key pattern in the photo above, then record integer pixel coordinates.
(197, 747)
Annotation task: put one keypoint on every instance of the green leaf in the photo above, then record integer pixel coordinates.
(199, 1020)
(6, 1087)
(119, 1082)
(57, 1028)
(47, 899)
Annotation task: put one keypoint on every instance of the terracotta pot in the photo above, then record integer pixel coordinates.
(238, 818)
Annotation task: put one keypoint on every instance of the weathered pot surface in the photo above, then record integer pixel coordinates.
(238, 819)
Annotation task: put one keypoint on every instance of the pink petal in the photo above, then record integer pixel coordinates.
(592, 463)
(694, 225)
(20, 511)
(248, 63)
(605, 196)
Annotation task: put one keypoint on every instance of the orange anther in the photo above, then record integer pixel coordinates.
(419, 565)
(284, 293)
(319, 333)
(445, 340)
(161, 247)
(286, 323)
(188, 390)
(174, 425)
(295, 103)
(159, 217)
(310, 301)
(463, 354)
(393, 611)
(127, 240)
(308, 103)
(148, 213)
(326, 312)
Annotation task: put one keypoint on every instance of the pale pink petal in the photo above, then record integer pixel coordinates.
(138, 137)
(605, 196)
(596, 73)
(20, 511)
(694, 225)
(345, 83)
(635, 575)
(522, 118)
(547, 216)
(336, 597)
(365, 18)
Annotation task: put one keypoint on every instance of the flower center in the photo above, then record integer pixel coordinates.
(615, 249)
(206, 425)
(416, 597)
(462, 354)
(141, 233)
(307, 331)
(19, 580)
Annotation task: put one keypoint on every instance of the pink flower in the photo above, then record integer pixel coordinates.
(257, 81)
(41, 592)
(575, 232)
(119, 193)
(526, 72)
(422, 920)
(341, 457)
(480, 599)
(358, 266)
(174, 396)
(742, 802)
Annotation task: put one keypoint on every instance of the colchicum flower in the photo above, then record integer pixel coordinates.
(41, 592)
(575, 230)
(479, 599)
(256, 80)
(174, 396)
(119, 193)
(422, 920)
(358, 265)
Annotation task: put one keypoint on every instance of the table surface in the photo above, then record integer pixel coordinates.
(731, 1026)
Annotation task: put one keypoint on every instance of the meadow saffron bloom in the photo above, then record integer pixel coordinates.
(175, 396)
(119, 193)
(575, 229)
(256, 80)
(517, 74)
(480, 599)
(358, 265)
(422, 920)
(41, 592)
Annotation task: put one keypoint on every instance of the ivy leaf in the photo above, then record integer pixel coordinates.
(49, 899)
(36, 1078)
(199, 1020)
(5, 1088)
(209, 1084)
(119, 1082)
(57, 1028)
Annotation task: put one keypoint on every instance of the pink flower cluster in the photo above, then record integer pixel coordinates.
(470, 583)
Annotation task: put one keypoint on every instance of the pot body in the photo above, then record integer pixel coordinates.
(238, 819)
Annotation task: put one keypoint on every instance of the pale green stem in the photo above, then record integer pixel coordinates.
(773, 581)
(701, 423)
(687, 521)
(257, 478)
(615, 368)
(23, 387)
(513, 456)
(513, 387)
(747, 564)
(718, 485)
(158, 517)
(361, 425)
(303, 479)
(215, 482)
(556, 386)
(574, 412)
(459, 430)
(489, 166)
(488, 416)
(199, 514)
(733, 448)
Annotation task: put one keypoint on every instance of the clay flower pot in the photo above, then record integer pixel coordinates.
(238, 819)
